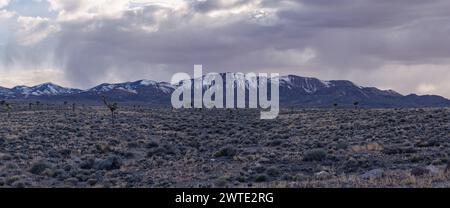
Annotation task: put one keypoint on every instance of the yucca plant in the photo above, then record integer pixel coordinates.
(8, 107)
(65, 105)
(112, 107)
(38, 105)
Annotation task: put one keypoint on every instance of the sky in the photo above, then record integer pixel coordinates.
(402, 45)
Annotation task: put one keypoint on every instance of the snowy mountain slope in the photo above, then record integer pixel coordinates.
(294, 91)
(46, 89)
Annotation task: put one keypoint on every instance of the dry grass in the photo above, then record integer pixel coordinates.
(353, 181)
(221, 148)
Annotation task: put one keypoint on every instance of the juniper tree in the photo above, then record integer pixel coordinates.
(112, 107)
(335, 105)
(356, 104)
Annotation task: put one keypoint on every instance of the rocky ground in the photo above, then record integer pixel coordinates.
(224, 148)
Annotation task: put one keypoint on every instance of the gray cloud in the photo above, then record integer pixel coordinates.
(331, 39)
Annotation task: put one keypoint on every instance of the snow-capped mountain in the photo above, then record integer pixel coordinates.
(133, 87)
(304, 91)
(309, 85)
(294, 91)
(304, 84)
(312, 92)
(5, 92)
(142, 91)
(46, 89)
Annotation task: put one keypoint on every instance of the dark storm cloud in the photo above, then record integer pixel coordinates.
(323, 38)
(207, 6)
(115, 45)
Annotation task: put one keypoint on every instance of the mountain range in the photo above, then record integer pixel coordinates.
(294, 91)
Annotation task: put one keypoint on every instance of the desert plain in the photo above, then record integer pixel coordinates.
(56, 146)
